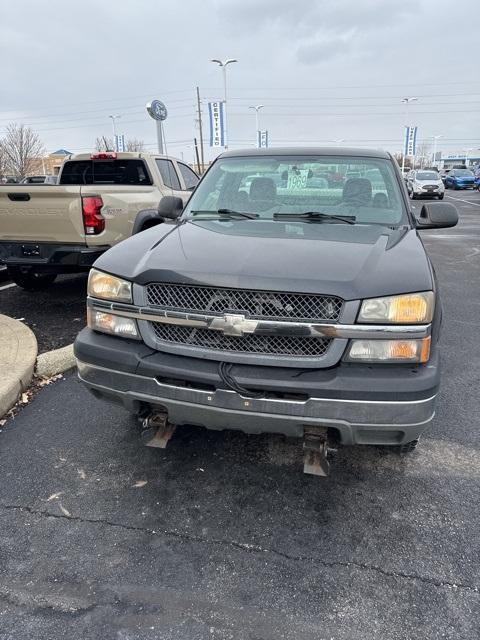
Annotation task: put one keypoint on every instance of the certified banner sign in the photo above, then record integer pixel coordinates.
(410, 141)
(216, 113)
(262, 142)
(120, 143)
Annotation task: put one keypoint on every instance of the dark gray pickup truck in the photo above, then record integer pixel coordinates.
(277, 300)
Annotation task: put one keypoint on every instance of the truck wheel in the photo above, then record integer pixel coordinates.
(408, 447)
(31, 280)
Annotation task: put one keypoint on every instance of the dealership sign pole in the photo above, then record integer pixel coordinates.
(406, 101)
(158, 112)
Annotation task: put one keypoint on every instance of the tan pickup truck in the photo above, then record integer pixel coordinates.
(100, 199)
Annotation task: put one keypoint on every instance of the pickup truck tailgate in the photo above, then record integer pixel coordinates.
(43, 213)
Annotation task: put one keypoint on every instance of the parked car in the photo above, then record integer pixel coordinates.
(314, 313)
(425, 184)
(39, 180)
(476, 174)
(443, 174)
(63, 228)
(460, 179)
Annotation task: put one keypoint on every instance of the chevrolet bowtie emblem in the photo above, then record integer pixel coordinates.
(233, 325)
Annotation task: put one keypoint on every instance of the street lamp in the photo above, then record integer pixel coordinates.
(406, 101)
(435, 138)
(115, 130)
(467, 151)
(257, 108)
(224, 64)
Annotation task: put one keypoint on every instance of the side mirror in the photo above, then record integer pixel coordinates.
(437, 215)
(170, 207)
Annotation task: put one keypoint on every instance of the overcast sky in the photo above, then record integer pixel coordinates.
(325, 70)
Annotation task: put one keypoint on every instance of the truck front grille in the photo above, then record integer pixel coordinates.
(248, 343)
(261, 305)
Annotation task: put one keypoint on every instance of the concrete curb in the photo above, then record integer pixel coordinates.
(53, 362)
(18, 353)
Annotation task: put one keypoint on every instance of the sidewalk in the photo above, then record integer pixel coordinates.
(18, 353)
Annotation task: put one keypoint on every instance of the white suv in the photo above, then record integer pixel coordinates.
(425, 183)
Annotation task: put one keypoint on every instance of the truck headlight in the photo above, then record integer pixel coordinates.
(112, 324)
(103, 285)
(389, 351)
(411, 308)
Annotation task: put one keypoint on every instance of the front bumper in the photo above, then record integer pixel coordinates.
(361, 404)
(463, 185)
(429, 192)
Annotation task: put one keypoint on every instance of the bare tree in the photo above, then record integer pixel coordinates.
(135, 145)
(423, 153)
(399, 157)
(22, 149)
(104, 144)
(3, 162)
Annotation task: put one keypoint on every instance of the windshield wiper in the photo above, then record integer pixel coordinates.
(229, 213)
(313, 216)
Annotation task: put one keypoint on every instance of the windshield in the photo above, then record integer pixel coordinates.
(427, 175)
(365, 188)
(462, 173)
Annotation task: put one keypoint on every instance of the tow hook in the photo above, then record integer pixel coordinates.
(315, 445)
(156, 430)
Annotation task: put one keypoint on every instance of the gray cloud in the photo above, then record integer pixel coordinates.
(323, 69)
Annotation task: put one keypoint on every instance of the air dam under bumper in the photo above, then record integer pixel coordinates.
(355, 421)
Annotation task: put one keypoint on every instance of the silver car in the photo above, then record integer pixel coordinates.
(425, 183)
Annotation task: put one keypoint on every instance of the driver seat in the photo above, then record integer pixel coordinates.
(263, 193)
(357, 192)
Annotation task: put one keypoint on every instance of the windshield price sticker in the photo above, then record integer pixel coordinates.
(297, 179)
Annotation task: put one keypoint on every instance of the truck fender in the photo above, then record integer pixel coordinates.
(145, 219)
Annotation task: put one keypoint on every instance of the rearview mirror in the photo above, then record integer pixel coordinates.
(437, 215)
(170, 207)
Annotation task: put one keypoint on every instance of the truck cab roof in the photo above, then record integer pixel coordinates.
(308, 151)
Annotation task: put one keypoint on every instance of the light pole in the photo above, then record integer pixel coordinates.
(435, 138)
(257, 108)
(115, 130)
(224, 64)
(406, 102)
(467, 151)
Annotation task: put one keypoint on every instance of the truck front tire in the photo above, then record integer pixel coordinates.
(30, 280)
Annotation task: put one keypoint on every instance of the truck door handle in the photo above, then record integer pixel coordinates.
(19, 197)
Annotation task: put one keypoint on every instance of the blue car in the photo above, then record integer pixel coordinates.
(459, 179)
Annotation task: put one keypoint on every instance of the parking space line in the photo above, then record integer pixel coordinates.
(475, 204)
(7, 286)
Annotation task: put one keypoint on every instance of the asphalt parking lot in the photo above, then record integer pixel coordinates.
(221, 536)
(55, 315)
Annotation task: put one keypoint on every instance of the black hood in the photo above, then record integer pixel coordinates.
(351, 261)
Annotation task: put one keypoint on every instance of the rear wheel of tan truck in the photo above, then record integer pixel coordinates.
(30, 280)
